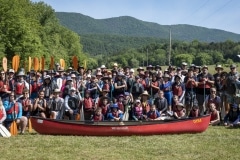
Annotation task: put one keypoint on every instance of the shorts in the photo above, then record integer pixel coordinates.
(230, 98)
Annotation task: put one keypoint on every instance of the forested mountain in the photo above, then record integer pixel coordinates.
(130, 26)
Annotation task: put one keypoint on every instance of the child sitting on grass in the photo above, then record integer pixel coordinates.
(231, 118)
(98, 116)
(215, 117)
(194, 112)
(153, 114)
(180, 111)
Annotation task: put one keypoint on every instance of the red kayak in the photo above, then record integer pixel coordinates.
(126, 128)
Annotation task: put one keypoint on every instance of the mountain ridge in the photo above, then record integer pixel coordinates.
(130, 26)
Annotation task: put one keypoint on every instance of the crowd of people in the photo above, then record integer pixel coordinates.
(120, 94)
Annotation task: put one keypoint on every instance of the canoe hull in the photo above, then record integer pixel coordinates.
(63, 127)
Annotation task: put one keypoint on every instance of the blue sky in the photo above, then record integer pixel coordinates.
(218, 14)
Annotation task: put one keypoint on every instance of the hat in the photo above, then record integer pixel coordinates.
(204, 66)
(158, 67)
(140, 69)
(11, 71)
(121, 75)
(234, 105)
(68, 79)
(138, 101)
(180, 104)
(114, 106)
(21, 73)
(184, 63)
(218, 66)
(177, 76)
(145, 93)
(150, 67)
(115, 64)
(166, 76)
(233, 66)
(192, 65)
(47, 77)
(88, 76)
(179, 68)
(57, 90)
(70, 68)
(223, 74)
(131, 70)
(73, 75)
(103, 66)
(106, 77)
(98, 74)
(73, 89)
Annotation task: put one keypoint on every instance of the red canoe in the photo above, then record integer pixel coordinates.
(127, 128)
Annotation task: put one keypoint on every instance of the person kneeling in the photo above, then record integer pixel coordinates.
(115, 114)
(153, 114)
(215, 117)
(180, 111)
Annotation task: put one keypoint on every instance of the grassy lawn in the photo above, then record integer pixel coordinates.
(215, 143)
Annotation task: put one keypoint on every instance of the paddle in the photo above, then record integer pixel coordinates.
(75, 63)
(15, 65)
(29, 69)
(15, 62)
(4, 65)
(4, 132)
(62, 63)
(42, 64)
(82, 118)
(51, 63)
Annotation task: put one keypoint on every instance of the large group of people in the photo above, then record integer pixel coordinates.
(120, 93)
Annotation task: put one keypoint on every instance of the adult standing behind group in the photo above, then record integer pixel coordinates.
(205, 82)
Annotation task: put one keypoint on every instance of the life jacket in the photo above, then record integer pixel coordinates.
(146, 107)
(73, 102)
(106, 86)
(156, 84)
(214, 115)
(36, 86)
(25, 103)
(104, 109)
(153, 115)
(177, 90)
(138, 111)
(207, 85)
(2, 86)
(1, 114)
(121, 106)
(145, 83)
(56, 105)
(98, 117)
(13, 109)
(88, 103)
(19, 88)
(191, 84)
(119, 83)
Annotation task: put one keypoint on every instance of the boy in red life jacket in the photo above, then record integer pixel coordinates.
(194, 112)
(153, 114)
(115, 114)
(104, 106)
(137, 113)
(26, 103)
(98, 116)
(88, 105)
(14, 113)
(36, 85)
(21, 84)
(215, 117)
(180, 112)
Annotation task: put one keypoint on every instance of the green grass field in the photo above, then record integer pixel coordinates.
(215, 143)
